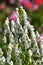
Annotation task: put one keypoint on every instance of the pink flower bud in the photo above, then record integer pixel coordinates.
(13, 16)
(35, 7)
(2, 6)
(38, 40)
(41, 35)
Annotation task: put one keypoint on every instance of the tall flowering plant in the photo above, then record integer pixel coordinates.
(21, 41)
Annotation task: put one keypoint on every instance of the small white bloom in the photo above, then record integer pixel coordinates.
(10, 46)
(8, 57)
(42, 59)
(38, 62)
(12, 23)
(17, 21)
(26, 44)
(11, 63)
(37, 34)
(3, 59)
(30, 60)
(11, 35)
(30, 52)
(7, 21)
(13, 26)
(5, 31)
(4, 39)
(13, 30)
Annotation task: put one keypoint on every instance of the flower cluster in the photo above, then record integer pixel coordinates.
(2, 58)
(21, 39)
(27, 4)
(31, 4)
